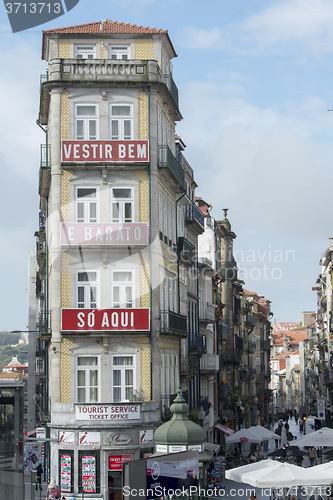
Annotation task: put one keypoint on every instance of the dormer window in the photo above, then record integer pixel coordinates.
(85, 51)
(119, 52)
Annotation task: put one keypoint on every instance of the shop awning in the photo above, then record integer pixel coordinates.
(224, 429)
(212, 447)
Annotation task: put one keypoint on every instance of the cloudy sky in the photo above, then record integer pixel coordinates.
(255, 88)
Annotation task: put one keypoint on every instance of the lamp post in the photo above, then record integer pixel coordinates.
(255, 402)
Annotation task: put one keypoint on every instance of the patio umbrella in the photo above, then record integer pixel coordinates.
(287, 452)
(270, 473)
(244, 436)
(262, 432)
(322, 437)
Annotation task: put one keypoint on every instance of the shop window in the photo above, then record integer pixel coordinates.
(66, 470)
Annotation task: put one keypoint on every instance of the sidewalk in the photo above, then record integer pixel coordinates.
(30, 489)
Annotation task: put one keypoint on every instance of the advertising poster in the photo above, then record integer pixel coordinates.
(89, 474)
(65, 472)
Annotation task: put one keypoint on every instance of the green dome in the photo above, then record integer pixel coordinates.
(179, 430)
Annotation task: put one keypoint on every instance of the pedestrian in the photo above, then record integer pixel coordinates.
(253, 495)
(52, 491)
(39, 471)
(299, 460)
(312, 455)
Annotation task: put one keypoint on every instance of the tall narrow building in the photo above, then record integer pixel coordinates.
(119, 232)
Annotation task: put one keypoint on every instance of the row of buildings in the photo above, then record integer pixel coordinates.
(135, 291)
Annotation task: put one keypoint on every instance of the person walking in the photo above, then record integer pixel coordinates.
(312, 455)
(52, 491)
(39, 472)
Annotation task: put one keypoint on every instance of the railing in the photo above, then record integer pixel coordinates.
(169, 82)
(232, 356)
(186, 250)
(197, 343)
(166, 160)
(210, 362)
(193, 214)
(45, 324)
(172, 322)
(222, 332)
(189, 365)
(206, 311)
(265, 344)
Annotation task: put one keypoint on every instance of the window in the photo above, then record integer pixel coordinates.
(86, 204)
(122, 289)
(87, 368)
(122, 378)
(122, 204)
(85, 51)
(119, 52)
(86, 122)
(121, 122)
(87, 290)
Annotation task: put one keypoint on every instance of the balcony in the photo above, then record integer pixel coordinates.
(197, 344)
(265, 345)
(222, 332)
(45, 169)
(45, 326)
(189, 365)
(172, 172)
(232, 356)
(41, 254)
(194, 215)
(86, 72)
(175, 323)
(251, 346)
(206, 312)
(186, 250)
(209, 363)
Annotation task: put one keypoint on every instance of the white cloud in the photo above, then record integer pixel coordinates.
(196, 38)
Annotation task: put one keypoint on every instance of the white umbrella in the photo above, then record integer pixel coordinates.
(322, 437)
(244, 436)
(270, 473)
(237, 473)
(262, 432)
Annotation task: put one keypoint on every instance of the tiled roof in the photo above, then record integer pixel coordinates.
(278, 327)
(106, 26)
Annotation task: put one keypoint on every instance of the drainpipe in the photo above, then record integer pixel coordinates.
(150, 256)
(179, 341)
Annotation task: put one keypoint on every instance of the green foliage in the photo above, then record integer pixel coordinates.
(7, 351)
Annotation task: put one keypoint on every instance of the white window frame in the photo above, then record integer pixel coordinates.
(85, 51)
(87, 203)
(87, 121)
(122, 369)
(119, 52)
(121, 303)
(87, 387)
(121, 135)
(87, 287)
(122, 202)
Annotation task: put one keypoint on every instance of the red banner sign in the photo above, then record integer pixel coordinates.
(75, 233)
(105, 151)
(109, 320)
(116, 461)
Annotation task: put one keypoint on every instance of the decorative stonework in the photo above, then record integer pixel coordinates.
(145, 366)
(143, 116)
(144, 49)
(63, 48)
(66, 344)
(65, 281)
